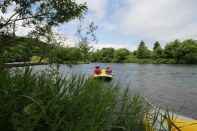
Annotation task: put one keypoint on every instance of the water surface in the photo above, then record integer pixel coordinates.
(173, 86)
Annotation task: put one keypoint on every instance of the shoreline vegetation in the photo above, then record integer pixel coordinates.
(47, 101)
(31, 50)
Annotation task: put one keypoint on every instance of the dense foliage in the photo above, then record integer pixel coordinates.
(42, 15)
(173, 52)
(21, 49)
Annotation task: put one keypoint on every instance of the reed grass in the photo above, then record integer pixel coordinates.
(47, 101)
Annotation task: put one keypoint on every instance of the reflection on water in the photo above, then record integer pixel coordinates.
(173, 86)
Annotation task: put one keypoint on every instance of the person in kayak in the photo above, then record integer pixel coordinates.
(97, 70)
(108, 70)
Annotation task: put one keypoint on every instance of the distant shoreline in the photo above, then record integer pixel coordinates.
(20, 64)
(23, 64)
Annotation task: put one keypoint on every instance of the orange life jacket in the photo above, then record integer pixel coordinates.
(97, 71)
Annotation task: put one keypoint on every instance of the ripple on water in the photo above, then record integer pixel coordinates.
(174, 86)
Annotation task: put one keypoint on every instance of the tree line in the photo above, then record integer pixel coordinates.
(173, 52)
(23, 49)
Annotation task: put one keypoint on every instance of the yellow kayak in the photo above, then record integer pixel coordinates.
(178, 122)
(185, 124)
(103, 75)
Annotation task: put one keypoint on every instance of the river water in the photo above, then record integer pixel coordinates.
(172, 86)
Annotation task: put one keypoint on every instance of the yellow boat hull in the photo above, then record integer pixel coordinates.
(103, 75)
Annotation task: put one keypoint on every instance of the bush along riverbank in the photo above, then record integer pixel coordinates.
(47, 101)
(22, 49)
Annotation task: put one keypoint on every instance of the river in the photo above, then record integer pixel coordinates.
(172, 86)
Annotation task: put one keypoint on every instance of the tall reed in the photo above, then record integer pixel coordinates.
(48, 102)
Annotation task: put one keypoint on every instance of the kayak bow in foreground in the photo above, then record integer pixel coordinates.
(169, 119)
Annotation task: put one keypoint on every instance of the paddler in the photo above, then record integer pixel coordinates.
(109, 70)
(97, 70)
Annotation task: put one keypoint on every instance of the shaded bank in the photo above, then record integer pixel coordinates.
(20, 64)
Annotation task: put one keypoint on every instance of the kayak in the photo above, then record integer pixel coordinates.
(178, 122)
(103, 76)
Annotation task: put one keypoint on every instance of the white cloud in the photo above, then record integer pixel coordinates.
(22, 31)
(97, 8)
(70, 42)
(162, 20)
(109, 26)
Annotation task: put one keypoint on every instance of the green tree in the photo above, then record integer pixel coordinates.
(95, 56)
(171, 49)
(143, 51)
(157, 53)
(135, 52)
(42, 14)
(58, 55)
(187, 53)
(107, 54)
(74, 54)
(121, 55)
(156, 45)
(85, 38)
(61, 54)
(20, 49)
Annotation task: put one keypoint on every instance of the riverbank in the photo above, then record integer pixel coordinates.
(133, 59)
(151, 61)
(20, 64)
(24, 64)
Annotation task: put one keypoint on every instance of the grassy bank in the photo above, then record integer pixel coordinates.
(47, 101)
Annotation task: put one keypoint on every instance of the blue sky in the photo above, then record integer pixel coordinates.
(124, 23)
